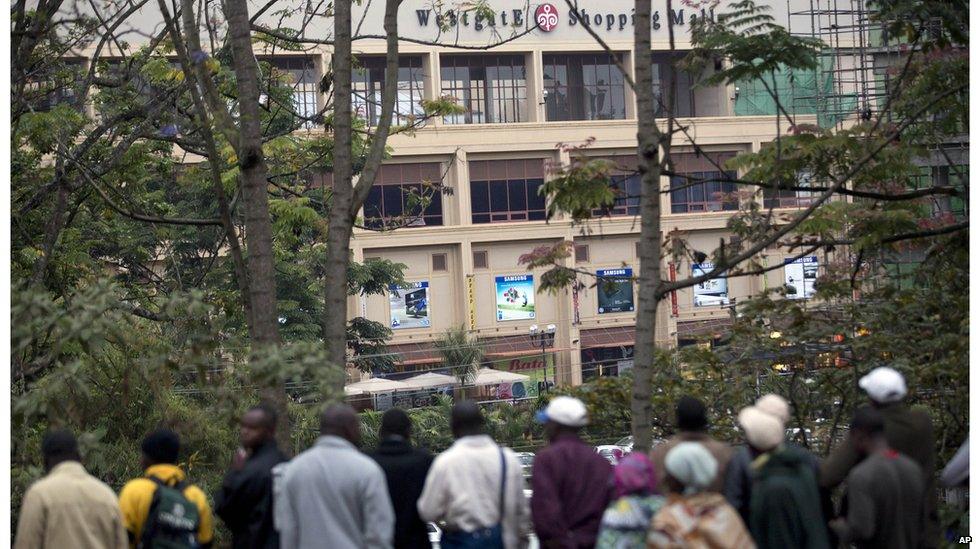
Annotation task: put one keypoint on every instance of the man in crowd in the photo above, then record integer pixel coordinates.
(740, 474)
(332, 494)
(162, 506)
(884, 491)
(692, 421)
(909, 431)
(475, 486)
(244, 501)
(406, 470)
(785, 507)
(68, 507)
(571, 484)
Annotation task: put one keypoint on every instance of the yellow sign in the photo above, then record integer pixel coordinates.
(470, 302)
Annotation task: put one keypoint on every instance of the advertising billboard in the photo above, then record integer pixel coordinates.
(410, 306)
(514, 297)
(712, 292)
(800, 276)
(614, 291)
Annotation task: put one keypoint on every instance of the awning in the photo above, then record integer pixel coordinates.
(489, 376)
(377, 385)
(352, 391)
(430, 379)
(618, 336)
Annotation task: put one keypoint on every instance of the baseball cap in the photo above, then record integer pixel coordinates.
(884, 385)
(564, 410)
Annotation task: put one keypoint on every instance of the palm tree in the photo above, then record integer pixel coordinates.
(463, 355)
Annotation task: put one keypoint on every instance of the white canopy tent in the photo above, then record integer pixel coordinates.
(376, 385)
(489, 376)
(352, 391)
(430, 380)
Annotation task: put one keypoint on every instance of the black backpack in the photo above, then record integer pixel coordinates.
(173, 519)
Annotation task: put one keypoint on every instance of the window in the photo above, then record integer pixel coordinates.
(367, 89)
(582, 253)
(507, 190)
(703, 187)
(301, 76)
(397, 196)
(946, 176)
(625, 182)
(663, 72)
(480, 259)
(438, 262)
(56, 85)
(789, 198)
(583, 87)
(491, 88)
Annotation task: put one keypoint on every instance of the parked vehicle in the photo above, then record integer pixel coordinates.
(526, 459)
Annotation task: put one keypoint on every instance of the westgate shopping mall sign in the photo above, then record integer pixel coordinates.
(548, 19)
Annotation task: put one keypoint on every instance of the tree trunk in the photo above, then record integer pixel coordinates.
(347, 199)
(649, 252)
(340, 216)
(254, 193)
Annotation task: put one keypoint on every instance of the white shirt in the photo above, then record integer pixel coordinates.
(463, 490)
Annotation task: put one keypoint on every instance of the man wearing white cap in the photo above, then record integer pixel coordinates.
(909, 431)
(784, 507)
(571, 484)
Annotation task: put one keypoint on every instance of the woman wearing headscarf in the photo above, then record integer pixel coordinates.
(694, 518)
(628, 517)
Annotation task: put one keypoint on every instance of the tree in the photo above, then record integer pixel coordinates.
(461, 353)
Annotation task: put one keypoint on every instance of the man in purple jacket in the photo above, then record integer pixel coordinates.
(571, 483)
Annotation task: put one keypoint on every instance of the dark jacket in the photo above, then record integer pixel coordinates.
(739, 478)
(784, 509)
(245, 500)
(571, 487)
(406, 471)
(910, 432)
(884, 508)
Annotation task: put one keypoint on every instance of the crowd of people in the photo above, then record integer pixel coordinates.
(690, 491)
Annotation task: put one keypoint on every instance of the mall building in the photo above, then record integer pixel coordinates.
(525, 99)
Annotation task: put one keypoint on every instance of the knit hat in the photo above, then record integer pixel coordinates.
(884, 385)
(763, 431)
(692, 465)
(634, 475)
(775, 405)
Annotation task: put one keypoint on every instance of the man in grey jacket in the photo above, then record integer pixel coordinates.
(332, 494)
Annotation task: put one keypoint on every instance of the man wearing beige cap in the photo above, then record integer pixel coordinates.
(571, 483)
(907, 430)
(740, 474)
(784, 511)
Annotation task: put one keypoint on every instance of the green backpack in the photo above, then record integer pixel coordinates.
(173, 519)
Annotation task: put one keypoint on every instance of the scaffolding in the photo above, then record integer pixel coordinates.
(853, 78)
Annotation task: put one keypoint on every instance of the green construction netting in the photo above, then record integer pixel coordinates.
(799, 91)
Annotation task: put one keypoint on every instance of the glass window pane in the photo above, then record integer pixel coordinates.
(516, 195)
(499, 196)
(479, 197)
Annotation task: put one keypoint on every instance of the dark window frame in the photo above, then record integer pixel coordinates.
(565, 83)
(376, 213)
(500, 99)
(493, 197)
(369, 78)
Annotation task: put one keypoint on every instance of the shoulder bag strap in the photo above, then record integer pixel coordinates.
(501, 505)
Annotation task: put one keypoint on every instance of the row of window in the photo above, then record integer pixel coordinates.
(491, 88)
(508, 190)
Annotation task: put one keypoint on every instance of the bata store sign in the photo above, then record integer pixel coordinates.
(548, 18)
